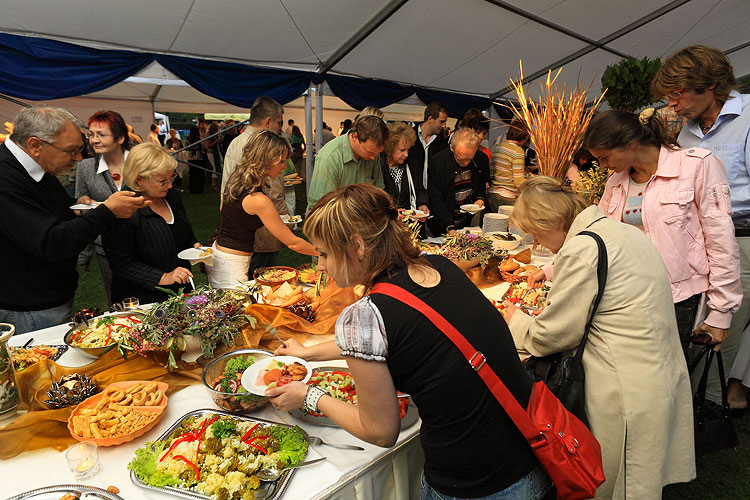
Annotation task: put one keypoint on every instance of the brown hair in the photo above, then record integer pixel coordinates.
(264, 149)
(516, 132)
(696, 67)
(368, 212)
(433, 110)
(398, 131)
(615, 129)
(370, 127)
(546, 203)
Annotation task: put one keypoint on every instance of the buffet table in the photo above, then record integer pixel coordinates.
(346, 474)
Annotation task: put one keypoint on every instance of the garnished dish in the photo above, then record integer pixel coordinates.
(274, 276)
(277, 371)
(308, 274)
(25, 357)
(124, 411)
(218, 456)
(102, 332)
(228, 384)
(338, 383)
(530, 300)
(504, 240)
(418, 215)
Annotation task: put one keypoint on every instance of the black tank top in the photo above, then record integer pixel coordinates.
(237, 227)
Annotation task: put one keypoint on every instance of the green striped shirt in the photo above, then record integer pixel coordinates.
(509, 172)
(336, 167)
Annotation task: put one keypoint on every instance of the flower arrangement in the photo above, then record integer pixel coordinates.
(467, 246)
(590, 184)
(215, 316)
(555, 123)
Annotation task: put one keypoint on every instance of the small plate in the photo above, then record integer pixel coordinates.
(194, 255)
(291, 220)
(471, 208)
(83, 206)
(251, 374)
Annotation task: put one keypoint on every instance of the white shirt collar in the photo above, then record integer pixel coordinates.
(32, 167)
(103, 167)
(425, 144)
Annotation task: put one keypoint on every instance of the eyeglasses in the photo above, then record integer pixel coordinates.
(73, 154)
(167, 182)
(673, 96)
(461, 160)
(98, 136)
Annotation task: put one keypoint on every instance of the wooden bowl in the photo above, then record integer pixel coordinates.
(259, 279)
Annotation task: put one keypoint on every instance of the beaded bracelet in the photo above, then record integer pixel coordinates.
(313, 395)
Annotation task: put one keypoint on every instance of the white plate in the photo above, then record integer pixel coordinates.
(285, 218)
(194, 255)
(471, 208)
(418, 215)
(251, 374)
(83, 206)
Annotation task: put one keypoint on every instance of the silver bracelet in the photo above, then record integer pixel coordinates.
(313, 395)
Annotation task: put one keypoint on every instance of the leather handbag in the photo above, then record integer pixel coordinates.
(565, 376)
(712, 423)
(563, 445)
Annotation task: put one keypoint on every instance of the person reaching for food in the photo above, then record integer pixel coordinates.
(389, 345)
(246, 209)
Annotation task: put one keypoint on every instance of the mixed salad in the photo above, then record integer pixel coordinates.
(230, 383)
(105, 331)
(530, 300)
(218, 456)
(340, 385)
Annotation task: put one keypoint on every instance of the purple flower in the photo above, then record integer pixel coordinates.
(472, 236)
(198, 300)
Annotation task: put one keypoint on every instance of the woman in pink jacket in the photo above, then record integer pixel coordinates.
(680, 199)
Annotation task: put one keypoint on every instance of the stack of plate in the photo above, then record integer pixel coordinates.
(495, 223)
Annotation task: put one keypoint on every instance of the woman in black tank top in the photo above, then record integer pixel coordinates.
(245, 209)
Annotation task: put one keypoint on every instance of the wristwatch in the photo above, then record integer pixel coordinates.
(313, 395)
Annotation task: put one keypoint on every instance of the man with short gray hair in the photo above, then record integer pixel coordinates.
(40, 236)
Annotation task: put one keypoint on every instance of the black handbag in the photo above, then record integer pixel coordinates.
(712, 423)
(565, 376)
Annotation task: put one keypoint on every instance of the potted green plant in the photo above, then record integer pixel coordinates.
(628, 82)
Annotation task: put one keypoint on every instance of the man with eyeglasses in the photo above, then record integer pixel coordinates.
(349, 159)
(40, 236)
(699, 83)
(455, 179)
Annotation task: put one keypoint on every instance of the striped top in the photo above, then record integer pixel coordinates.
(508, 169)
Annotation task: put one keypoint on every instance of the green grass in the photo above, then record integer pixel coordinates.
(721, 476)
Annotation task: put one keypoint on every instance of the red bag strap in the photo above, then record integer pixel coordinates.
(475, 358)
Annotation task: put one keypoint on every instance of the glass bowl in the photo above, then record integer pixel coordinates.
(231, 401)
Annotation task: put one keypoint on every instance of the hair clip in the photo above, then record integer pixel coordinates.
(645, 115)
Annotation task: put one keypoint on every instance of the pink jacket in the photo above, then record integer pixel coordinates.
(687, 215)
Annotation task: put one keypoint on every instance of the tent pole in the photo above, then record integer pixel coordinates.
(308, 137)
(318, 119)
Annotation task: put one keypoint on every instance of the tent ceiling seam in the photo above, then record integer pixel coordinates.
(358, 37)
(182, 25)
(608, 39)
(300, 32)
(691, 28)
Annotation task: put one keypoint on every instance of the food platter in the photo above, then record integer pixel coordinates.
(412, 415)
(250, 376)
(73, 338)
(268, 490)
(56, 492)
(216, 370)
(275, 276)
(19, 352)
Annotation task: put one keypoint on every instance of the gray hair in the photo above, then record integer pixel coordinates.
(264, 107)
(465, 135)
(43, 122)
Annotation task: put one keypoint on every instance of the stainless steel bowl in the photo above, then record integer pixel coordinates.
(231, 401)
(94, 352)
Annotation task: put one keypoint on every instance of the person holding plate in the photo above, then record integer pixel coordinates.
(638, 399)
(403, 182)
(142, 250)
(245, 209)
(389, 345)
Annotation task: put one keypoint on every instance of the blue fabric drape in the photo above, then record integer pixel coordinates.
(236, 83)
(456, 104)
(38, 69)
(360, 92)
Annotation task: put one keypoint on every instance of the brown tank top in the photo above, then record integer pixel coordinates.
(237, 227)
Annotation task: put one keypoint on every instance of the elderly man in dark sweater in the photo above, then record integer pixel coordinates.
(40, 236)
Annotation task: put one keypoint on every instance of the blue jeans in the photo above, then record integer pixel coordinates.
(533, 486)
(28, 321)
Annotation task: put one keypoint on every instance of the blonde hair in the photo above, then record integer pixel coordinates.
(368, 212)
(265, 148)
(545, 204)
(465, 135)
(146, 160)
(398, 131)
(369, 111)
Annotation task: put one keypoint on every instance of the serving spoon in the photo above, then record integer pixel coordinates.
(272, 473)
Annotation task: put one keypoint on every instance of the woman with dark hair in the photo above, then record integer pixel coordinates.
(680, 199)
(298, 147)
(98, 177)
(389, 345)
(197, 158)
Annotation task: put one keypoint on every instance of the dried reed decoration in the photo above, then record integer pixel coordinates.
(556, 123)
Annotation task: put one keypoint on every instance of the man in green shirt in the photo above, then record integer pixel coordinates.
(348, 159)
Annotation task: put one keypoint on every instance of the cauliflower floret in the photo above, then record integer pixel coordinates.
(210, 483)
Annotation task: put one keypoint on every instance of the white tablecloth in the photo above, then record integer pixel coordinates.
(376, 473)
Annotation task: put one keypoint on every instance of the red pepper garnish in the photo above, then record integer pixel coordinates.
(184, 438)
(206, 423)
(258, 448)
(245, 436)
(124, 326)
(191, 464)
(80, 341)
(131, 318)
(109, 334)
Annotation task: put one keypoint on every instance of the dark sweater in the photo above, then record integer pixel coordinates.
(471, 446)
(441, 186)
(401, 197)
(40, 238)
(416, 152)
(142, 248)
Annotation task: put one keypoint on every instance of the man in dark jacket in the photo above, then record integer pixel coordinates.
(430, 140)
(456, 178)
(40, 236)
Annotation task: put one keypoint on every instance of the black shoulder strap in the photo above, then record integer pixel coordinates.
(601, 275)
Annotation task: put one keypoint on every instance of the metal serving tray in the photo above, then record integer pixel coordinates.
(57, 491)
(268, 490)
